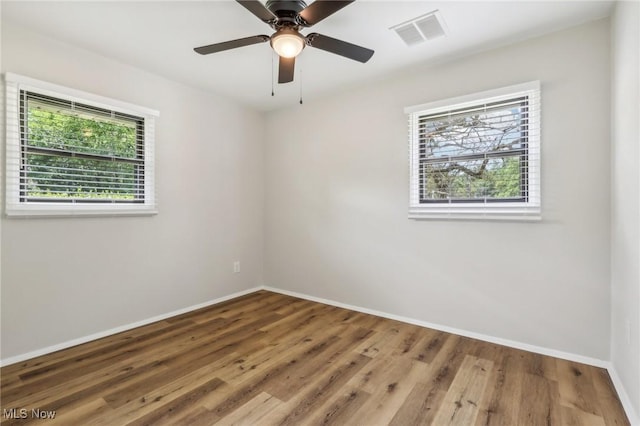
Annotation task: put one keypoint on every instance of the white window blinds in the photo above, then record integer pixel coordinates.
(69, 154)
(477, 156)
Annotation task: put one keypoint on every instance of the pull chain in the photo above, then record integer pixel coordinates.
(272, 92)
(300, 78)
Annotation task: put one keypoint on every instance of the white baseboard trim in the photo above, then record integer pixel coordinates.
(491, 339)
(101, 334)
(632, 415)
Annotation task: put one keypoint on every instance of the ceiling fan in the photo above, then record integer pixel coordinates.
(287, 18)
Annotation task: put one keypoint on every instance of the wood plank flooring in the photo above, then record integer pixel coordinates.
(270, 359)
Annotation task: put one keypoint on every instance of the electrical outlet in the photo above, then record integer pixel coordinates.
(236, 266)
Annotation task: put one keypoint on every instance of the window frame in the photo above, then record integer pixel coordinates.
(526, 208)
(15, 206)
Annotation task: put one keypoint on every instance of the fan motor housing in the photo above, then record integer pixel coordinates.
(286, 10)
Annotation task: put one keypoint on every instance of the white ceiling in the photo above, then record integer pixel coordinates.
(159, 36)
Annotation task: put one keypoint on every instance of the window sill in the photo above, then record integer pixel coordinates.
(49, 211)
(504, 212)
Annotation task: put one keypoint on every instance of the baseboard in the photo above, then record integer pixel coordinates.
(95, 336)
(460, 332)
(632, 415)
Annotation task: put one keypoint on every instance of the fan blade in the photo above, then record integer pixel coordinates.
(285, 69)
(339, 47)
(258, 9)
(232, 44)
(321, 9)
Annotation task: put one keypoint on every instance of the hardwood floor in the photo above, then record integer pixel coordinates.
(269, 359)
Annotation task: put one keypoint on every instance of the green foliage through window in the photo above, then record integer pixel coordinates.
(76, 153)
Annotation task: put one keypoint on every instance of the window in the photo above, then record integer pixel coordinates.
(70, 152)
(477, 156)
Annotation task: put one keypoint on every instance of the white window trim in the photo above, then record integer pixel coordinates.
(525, 211)
(14, 83)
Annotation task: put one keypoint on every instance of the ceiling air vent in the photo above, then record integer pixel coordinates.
(421, 29)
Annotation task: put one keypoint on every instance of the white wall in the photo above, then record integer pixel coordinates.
(625, 198)
(67, 278)
(336, 196)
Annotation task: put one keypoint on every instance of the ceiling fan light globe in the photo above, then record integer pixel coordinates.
(287, 45)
